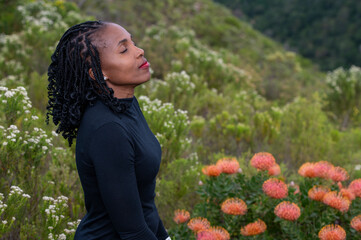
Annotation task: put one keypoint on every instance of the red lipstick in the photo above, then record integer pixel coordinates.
(144, 65)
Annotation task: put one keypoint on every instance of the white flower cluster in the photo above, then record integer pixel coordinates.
(342, 78)
(17, 94)
(12, 49)
(15, 190)
(61, 201)
(333, 78)
(72, 227)
(42, 15)
(207, 56)
(157, 32)
(193, 162)
(61, 236)
(54, 213)
(181, 81)
(56, 206)
(202, 54)
(38, 139)
(147, 105)
(169, 125)
(164, 112)
(3, 206)
(13, 134)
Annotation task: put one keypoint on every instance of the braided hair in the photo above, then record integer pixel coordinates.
(71, 88)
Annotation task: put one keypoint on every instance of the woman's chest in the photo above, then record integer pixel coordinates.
(147, 153)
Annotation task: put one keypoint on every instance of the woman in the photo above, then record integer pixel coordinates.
(92, 77)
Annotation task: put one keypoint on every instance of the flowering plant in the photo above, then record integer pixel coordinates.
(264, 206)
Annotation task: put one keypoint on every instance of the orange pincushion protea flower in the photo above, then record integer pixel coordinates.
(355, 187)
(274, 170)
(263, 161)
(333, 232)
(234, 206)
(228, 165)
(318, 192)
(337, 201)
(347, 193)
(338, 174)
(288, 211)
(322, 169)
(356, 223)
(212, 170)
(206, 235)
(181, 216)
(198, 224)
(275, 188)
(220, 233)
(254, 228)
(307, 170)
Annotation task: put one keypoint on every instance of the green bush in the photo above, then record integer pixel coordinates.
(344, 96)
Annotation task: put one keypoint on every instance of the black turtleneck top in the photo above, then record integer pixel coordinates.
(118, 158)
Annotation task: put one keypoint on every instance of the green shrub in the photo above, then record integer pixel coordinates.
(344, 95)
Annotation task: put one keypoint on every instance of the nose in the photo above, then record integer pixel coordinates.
(140, 52)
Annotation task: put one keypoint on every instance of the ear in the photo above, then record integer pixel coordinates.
(91, 74)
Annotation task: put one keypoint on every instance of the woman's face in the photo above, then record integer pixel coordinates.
(123, 64)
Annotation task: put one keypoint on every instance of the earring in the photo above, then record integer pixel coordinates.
(105, 78)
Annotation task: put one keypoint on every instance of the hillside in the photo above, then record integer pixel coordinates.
(328, 32)
(276, 73)
(219, 88)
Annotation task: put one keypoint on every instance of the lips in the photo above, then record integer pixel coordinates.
(144, 65)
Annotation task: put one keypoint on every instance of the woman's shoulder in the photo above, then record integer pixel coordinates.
(97, 115)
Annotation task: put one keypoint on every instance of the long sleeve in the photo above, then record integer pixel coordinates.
(161, 233)
(112, 155)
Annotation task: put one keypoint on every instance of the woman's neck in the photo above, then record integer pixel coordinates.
(123, 91)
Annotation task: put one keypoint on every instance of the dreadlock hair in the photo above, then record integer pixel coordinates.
(71, 88)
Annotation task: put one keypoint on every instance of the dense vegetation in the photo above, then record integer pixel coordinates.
(325, 31)
(219, 88)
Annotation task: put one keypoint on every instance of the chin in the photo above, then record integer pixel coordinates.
(146, 79)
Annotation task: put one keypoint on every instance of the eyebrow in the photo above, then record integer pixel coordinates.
(123, 40)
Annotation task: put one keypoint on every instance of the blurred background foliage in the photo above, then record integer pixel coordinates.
(219, 88)
(325, 31)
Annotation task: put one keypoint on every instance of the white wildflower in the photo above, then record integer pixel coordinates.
(62, 237)
(9, 94)
(26, 195)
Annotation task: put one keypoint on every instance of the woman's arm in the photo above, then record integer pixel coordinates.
(162, 233)
(112, 154)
